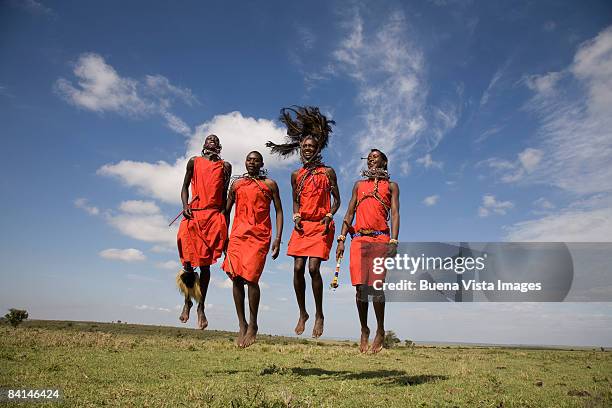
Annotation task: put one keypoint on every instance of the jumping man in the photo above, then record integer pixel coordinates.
(203, 231)
(249, 241)
(313, 186)
(374, 199)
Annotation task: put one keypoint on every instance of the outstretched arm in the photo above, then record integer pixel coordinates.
(278, 208)
(296, 206)
(185, 189)
(227, 172)
(348, 220)
(395, 217)
(331, 174)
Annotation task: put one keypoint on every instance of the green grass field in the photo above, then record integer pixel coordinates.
(104, 364)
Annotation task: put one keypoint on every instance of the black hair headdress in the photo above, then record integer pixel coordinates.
(308, 122)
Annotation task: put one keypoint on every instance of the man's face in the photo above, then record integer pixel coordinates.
(212, 143)
(375, 160)
(309, 148)
(253, 163)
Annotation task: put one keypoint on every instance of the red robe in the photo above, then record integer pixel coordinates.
(371, 214)
(315, 202)
(251, 230)
(201, 239)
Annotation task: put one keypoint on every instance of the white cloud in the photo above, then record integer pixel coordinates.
(223, 284)
(576, 138)
(543, 203)
(575, 127)
(543, 84)
(530, 158)
(427, 162)
(491, 205)
(139, 207)
(163, 249)
(568, 225)
(389, 71)
(527, 161)
(431, 200)
(100, 88)
(146, 227)
(126, 255)
(238, 135)
(170, 265)
(405, 168)
(152, 308)
(83, 204)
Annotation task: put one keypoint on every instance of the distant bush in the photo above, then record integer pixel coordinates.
(16, 316)
(391, 339)
(408, 343)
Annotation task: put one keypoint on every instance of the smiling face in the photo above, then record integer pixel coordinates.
(309, 147)
(253, 163)
(212, 143)
(377, 160)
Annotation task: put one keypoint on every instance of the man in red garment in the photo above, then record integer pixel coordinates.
(374, 199)
(313, 187)
(249, 241)
(203, 231)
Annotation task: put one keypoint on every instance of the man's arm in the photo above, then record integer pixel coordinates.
(296, 206)
(278, 208)
(231, 197)
(335, 191)
(227, 172)
(331, 175)
(348, 220)
(395, 217)
(185, 189)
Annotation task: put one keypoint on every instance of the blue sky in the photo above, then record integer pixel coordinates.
(495, 117)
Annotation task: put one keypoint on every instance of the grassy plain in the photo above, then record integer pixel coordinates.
(106, 364)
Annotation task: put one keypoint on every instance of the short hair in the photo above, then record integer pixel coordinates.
(257, 153)
(384, 156)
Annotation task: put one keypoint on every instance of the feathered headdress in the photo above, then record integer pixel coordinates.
(308, 121)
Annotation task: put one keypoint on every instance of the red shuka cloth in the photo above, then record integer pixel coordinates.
(251, 230)
(200, 240)
(371, 214)
(315, 202)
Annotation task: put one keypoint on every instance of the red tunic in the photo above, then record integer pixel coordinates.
(251, 230)
(201, 239)
(371, 214)
(315, 202)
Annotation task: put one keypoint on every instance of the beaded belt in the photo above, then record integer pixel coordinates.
(368, 233)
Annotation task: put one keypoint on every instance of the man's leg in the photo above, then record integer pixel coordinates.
(314, 266)
(238, 293)
(251, 332)
(299, 285)
(204, 281)
(361, 298)
(378, 300)
(188, 303)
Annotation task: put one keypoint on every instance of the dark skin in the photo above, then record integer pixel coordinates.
(309, 149)
(248, 331)
(375, 160)
(211, 142)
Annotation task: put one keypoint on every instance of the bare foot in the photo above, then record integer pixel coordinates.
(185, 313)
(249, 337)
(317, 330)
(202, 322)
(301, 324)
(365, 338)
(241, 333)
(377, 344)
